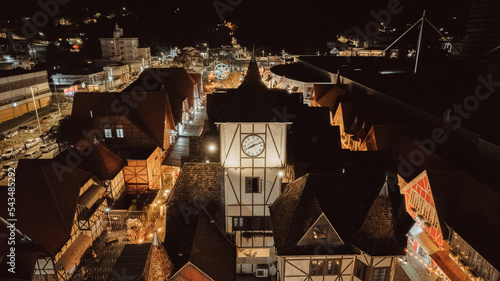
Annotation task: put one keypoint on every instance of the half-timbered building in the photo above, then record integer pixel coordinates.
(139, 132)
(323, 233)
(253, 123)
(456, 221)
(59, 211)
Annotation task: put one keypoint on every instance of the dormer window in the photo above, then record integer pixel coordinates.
(320, 231)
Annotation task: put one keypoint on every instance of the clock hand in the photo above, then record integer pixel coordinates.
(252, 145)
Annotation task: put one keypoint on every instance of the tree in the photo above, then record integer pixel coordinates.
(68, 128)
(185, 60)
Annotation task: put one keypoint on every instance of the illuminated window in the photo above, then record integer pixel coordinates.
(119, 133)
(380, 274)
(333, 267)
(107, 133)
(320, 231)
(325, 267)
(317, 267)
(238, 223)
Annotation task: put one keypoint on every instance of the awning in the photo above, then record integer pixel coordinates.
(91, 196)
(423, 240)
(73, 254)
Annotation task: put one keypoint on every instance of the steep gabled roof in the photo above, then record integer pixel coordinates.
(194, 222)
(147, 110)
(131, 265)
(376, 235)
(211, 251)
(253, 101)
(159, 79)
(381, 137)
(98, 160)
(47, 192)
(198, 185)
(331, 98)
(245, 105)
(199, 82)
(304, 200)
(321, 89)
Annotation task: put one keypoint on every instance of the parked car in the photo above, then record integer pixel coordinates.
(46, 148)
(2, 137)
(32, 129)
(10, 134)
(31, 142)
(7, 166)
(19, 149)
(45, 119)
(22, 128)
(33, 154)
(44, 136)
(8, 153)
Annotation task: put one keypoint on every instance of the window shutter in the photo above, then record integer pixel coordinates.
(248, 185)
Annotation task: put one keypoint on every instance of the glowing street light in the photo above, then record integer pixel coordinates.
(211, 147)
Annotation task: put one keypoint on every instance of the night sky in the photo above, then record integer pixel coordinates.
(297, 26)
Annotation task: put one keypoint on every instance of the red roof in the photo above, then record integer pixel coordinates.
(197, 79)
(147, 110)
(97, 160)
(161, 79)
(47, 192)
(448, 266)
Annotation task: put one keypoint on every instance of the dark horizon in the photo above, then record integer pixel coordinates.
(298, 26)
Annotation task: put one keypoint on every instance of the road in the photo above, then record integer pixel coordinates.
(23, 136)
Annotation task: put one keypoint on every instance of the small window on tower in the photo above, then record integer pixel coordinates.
(252, 185)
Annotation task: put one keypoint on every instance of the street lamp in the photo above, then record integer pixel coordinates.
(36, 110)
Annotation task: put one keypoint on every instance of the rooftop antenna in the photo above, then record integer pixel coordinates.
(421, 21)
(419, 42)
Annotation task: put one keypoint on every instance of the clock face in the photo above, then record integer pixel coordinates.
(252, 145)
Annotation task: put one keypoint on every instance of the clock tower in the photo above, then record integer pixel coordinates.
(253, 137)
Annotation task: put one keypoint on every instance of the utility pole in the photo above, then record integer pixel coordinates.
(36, 110)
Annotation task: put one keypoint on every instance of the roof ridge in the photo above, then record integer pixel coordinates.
(55, 200)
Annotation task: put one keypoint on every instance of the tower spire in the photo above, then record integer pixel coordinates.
(253, 78)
